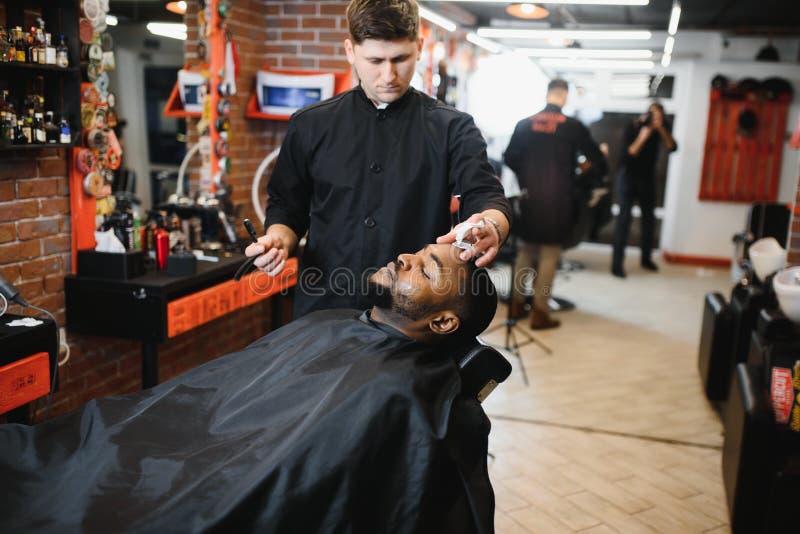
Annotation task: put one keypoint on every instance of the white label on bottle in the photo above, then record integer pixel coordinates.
(50, 55)
(40, 138)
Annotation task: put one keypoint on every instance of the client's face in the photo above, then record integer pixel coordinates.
(416, 285)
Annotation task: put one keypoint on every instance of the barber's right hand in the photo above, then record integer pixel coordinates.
(272, 254)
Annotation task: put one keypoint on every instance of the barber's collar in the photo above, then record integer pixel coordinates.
(392, 108)
(366, 317)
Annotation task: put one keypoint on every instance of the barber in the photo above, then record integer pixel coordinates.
(370, 172)
(543, 153)
(637, 181)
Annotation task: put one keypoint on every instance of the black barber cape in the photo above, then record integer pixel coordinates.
(369, 184)
(332, 423)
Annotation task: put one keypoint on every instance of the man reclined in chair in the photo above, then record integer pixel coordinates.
(340, 421)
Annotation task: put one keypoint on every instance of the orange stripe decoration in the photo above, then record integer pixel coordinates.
(24, 380)
(199, 308)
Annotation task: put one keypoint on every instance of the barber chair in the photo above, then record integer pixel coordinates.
(481, 368)
(714, 358)
(760, 460)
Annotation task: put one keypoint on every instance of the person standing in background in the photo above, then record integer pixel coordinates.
(543, 153)
(637, 181)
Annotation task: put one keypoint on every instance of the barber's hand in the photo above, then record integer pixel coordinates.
(644, 132)
(273, 249)
(484, 240)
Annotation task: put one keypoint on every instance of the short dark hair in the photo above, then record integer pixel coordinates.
(385, 20)
(656, 104)
(557, 84)
(477, 303)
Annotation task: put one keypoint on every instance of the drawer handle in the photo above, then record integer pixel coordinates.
(139, 294)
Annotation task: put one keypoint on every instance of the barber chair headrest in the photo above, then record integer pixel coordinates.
(481, 368)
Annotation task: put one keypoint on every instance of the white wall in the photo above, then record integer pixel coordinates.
(127, 83)
(702, 228)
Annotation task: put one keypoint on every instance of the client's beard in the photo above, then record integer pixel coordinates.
(382, 297)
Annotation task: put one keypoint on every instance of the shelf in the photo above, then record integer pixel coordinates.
(45, 146)
(341, 84)
(35, 67)
(174, 106)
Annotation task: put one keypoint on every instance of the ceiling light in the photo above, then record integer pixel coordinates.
(594, 64)
(579, 35)
(172, 30)
(527, 11)
(674, 17)
(669, 45)
(665, 60)
(486, 44)
(111, 20)
(437, 19)
(177, 7)
(575, 2)
(585, 53)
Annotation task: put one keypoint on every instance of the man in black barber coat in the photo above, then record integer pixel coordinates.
(339, 422)
(370, 172)
(543, 153)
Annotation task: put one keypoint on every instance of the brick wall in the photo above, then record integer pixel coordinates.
(290, 34)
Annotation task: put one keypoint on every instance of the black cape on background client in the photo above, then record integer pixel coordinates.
(333, 423)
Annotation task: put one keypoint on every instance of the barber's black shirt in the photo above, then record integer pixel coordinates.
(368, 184)
(641, 168)
(543, 153)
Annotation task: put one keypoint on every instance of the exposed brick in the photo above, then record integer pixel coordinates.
(31, 289)
(53, 206)
(333, 9)
(18, 168)
(33, 269)
(10, 273)
(332, 37)
(319, 22)
(19, 251)
(63, 187)
(281, 49)
(51, 245)
(306, 8)
(298, 62)
(52, 167)
(7, 190)
(54, 283)
(44, 187)
(297, 36)
(21, 209)
(36, 228)
(318, 50)
(7, 233)
(335, 64)
(281, 22)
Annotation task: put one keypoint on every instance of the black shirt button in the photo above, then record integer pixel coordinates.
(376, 167)
(369, 222)
(381, 115)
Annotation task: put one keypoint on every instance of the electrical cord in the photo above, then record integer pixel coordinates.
(55, 363)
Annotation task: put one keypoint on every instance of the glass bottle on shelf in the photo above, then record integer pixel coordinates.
(12, 45)
(39, 135)
(66, 135)
(21, 50)
(62, 54)
(52, 132)
(32, 49)
(3, 45)
(27, 127)
(41, 52)
(19, 134)
(49, 50)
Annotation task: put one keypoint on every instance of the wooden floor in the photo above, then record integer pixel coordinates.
(613, 433)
